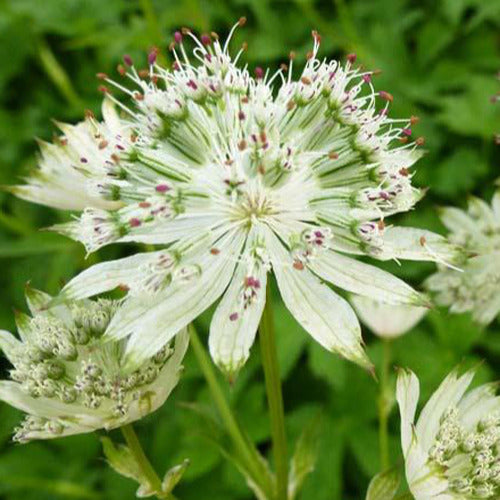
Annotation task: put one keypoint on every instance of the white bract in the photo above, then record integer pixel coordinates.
(452, 451)
(233, 176)
(68, 381)
(387, 320)
(477, 288)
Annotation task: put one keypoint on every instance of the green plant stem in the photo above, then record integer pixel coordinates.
(142, 460)
(383, 406)
(58, 75)
(274, 396)
(247, 451)
(404, 496)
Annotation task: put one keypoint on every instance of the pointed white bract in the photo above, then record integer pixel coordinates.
(477, 288)
(386, 320)
(234, 176)
(452, 451)
(68, 381)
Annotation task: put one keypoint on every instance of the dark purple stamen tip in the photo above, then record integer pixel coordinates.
(162, 188)
(233, 316)
(152, 57)
(178, 37)
(128, 60)
(259, 72)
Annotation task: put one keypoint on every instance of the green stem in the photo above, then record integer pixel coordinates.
(58, 75)
(142, 461)
(274, 395)
(404, 496)
(247, 451)
(383, 406)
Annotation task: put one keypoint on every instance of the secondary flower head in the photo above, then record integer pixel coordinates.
(232, 176)
(477, 288)
(69, 382)
(452, 451)
(387, 320)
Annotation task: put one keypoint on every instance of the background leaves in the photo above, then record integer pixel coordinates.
(438, 58)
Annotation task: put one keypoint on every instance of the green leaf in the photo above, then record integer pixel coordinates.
(384, 485)
(173, 476)
(122, 461)
(472, 112)
(305, 455)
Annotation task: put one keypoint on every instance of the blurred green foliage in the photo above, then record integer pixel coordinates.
(438, 58)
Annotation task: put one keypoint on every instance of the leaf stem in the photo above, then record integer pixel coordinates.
(58, 75)
(274, 395)
(245, 448)
(143, 462)
(383, 406)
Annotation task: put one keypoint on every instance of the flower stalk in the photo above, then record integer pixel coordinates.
(384, 406)
(250, 456)
(142, 461)
(274, 395)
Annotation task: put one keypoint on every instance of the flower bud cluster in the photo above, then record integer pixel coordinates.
(63, 359)
(470, 459)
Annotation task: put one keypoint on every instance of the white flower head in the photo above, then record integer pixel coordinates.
(387, 320)
(232, 176)
(452, 451)
(68, 381)
(477, 288)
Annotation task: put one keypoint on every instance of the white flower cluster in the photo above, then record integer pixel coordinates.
(453, 450)
(234, 175)
(477, 288)
(69, 382)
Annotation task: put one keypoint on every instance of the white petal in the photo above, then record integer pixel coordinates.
(457, 221)
(416, 244)
(478, 404)
(363, 279)
(153, 323)
(328, 318)
(386, 320)
(448, 394)
(105, 276)
(407, 394)
(11, 393)
(170, 230)
(166, 380)
(9, 345)
(233, 328)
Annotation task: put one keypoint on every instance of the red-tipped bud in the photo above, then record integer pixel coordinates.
(128, 60)
(152, 56)
(316, 36)
(351, 58)
(420, 141)
(367, 78)
(178, 37)
(134, 222)
(121, 69)
(242, 21)
(292, 55)
(414, 119)
(259, 72)
(103, 89)
(205, 39)
(407, 131)
(102, 76)
(386, 96)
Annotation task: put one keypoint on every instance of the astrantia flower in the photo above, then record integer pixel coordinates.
(452, 452)
(477, 288)
(234, 176)
(69, 382)
(387, 320)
